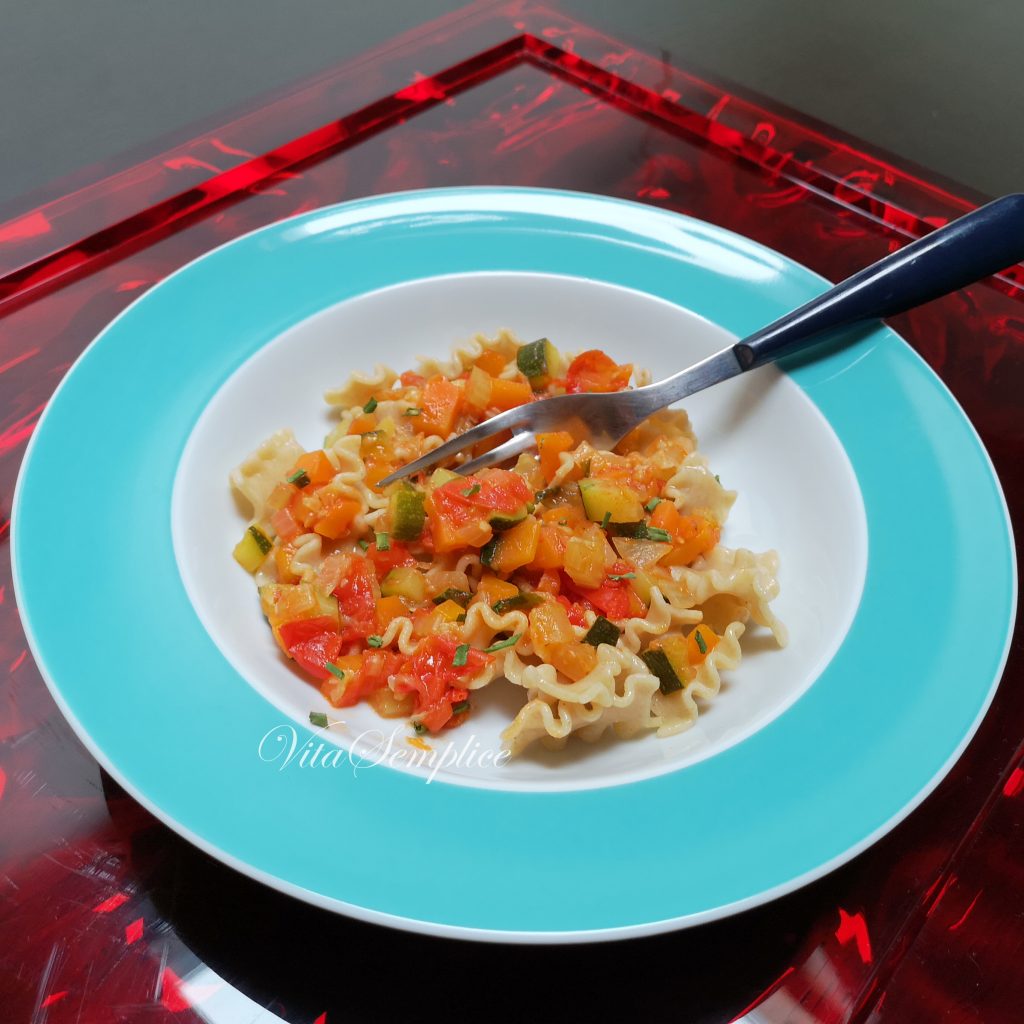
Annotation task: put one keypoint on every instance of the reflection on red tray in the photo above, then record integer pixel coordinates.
(105, 915)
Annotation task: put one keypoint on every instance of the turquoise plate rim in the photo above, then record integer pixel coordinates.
(202, 779)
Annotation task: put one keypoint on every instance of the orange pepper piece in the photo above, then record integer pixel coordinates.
(316, 466)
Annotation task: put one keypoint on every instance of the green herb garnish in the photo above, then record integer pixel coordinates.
(717, 481)
(451, 594)
(656, 533)
(413, 411)
(370, 405)
(318, 718)
(363, 543)
(460, 618)
(375, 641)
(338, 673)
(383, 541)
(470, 491)
(463, 705)
(502, 644)
(461, 655)
(652, 504)
(701, 642)
(419, 728)
(300, 478)
(622, 575)
(606, 520)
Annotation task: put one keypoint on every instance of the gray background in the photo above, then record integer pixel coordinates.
(940, 82)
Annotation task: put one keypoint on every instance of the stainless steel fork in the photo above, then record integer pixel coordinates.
(976, 245)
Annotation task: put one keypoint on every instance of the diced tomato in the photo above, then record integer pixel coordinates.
(432, 674)
(397, 554)
(312, 643)
(300, 630)
(593, 371)
(284, 524)
(500, 490)
(615, 599)
(410, 379)
(373, 674)
(577, 610)
(357, 600)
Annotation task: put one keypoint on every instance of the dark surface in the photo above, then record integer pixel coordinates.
(937, 82)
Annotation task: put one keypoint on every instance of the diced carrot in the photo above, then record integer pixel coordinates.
(448, 536)
(492, 590)
(550, 447)
(706, 636)
(389, 608)
(492, 362)
(507, 394)
(363, 424)
(441, 401)
(336, 518)
(517, 547)
(574, 660)
(316, 466)
(550, 548)
(665, 516)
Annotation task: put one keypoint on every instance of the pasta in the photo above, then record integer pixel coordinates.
(595, 581)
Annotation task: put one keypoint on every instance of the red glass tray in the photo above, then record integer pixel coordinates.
(105, 915)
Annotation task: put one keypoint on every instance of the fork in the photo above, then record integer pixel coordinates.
(968, 249)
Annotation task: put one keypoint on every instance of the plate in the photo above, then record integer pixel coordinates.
(858, 466)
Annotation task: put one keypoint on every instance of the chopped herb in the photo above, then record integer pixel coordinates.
(652, 504)
(463, 705)
(300, 478)
(262, 540)
(606, 520)
(318, 718)
(338, 673)
(586, 467)
(375, 641)
(460, 618)
(547, 492)
(461, 655)
(524, 599)
(451, 594)
(419, 728)
(413, 411)
(656, 533)
(717, 481)
(502, 644)
(370, 405)
(383, 542)
(470, 491)
(622, 575)
(563, 522)
(364, 544)
(701, 642)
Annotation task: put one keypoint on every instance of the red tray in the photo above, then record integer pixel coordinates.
(105, 915)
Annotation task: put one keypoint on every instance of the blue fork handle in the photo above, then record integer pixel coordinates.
(975, 246)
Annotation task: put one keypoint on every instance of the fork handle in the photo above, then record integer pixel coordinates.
(970, 248)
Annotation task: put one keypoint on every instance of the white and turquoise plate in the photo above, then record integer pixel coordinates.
(858, 467)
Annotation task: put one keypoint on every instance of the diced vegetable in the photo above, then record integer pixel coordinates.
(574, 660)
(593, 371)
(584, 558)
(406, 582)
(694, 536)
(459, 597)
(478, 390)
(362, 424)
(441, 476)
(602, 632)
(700, 643)
(441, 400)
(669, 680)
(550, 628)
(550, 548)
(337, 515)
(492, 590)
(341, 679)
(377, 444)
(506, 520)
(550, 447)
(492, 362)
(641, 553)
(539, 361)
(408, 513)
(317, 467)
(390, 608)
(608, 502)
(449, 611)
(252, 549)
(507, 394)
(388, 704)
(514, 548)
(524, 599)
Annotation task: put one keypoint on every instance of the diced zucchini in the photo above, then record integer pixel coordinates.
(506, 520)
(669, 662)
(408, 514)
(252, 548)
(524, 599)
(637, 531)
(439, 477)
(608, 502)
(602, 632)
(404, 581)
(460, 597)
(539, 361)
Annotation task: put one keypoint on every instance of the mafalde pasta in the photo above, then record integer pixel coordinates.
(594, 581)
